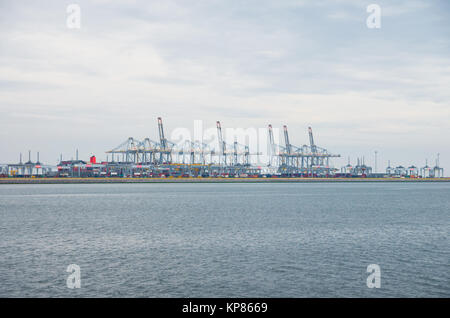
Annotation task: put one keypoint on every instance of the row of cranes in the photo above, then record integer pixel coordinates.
(146, 152)
(188, 152)
(187, 158)
(307, 160)
(225, 158)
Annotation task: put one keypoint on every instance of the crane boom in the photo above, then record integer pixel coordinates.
(311, 141)
(222, 145)
(286, 139)
(271, 145)
(220, 138)
(161, 134)
(271, 141)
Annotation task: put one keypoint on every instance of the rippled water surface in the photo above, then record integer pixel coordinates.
(225, 240)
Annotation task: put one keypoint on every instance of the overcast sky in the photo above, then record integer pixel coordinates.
(245, 63)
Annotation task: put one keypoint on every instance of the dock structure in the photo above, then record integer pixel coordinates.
(360, 170)
(165, 158)
(307, 160)
(147, 158)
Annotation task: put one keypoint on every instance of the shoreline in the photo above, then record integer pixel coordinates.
(206, 180)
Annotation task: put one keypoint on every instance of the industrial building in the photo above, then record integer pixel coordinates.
(26, 169)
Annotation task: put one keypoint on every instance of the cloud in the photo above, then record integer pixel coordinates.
(246, 63)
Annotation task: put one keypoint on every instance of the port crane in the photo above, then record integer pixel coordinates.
(307, 160)
(165, 151)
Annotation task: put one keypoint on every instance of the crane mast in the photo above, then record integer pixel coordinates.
(165, 153)
(222, 144)
(311, 140)
(161, 134)
(286, 140)
(271, 146)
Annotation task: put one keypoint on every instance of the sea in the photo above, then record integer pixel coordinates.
(377, 239)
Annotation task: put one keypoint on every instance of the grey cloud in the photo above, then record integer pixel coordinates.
(241, 61)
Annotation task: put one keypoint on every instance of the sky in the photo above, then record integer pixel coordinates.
(245, 63)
